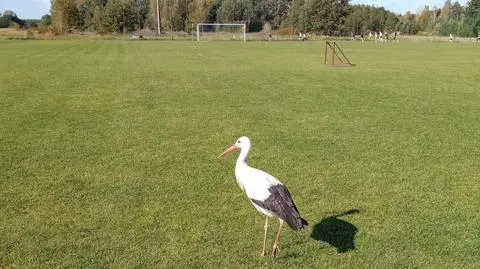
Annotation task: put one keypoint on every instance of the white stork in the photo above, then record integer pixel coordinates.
(267, 194)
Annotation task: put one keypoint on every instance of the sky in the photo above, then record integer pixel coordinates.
(402, 6)
(26, 9)
(35, 9)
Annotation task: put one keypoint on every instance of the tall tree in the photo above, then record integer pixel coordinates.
(86, 13)
(424, 19)
(9, 17)
(151, 19)
(408, 24)
(98, 19)
(457, 11)
(354, 22)
(46, 20)
(376, 19)
(446, 12)
(276, 12)
(230, 11)
(391, 22)
(473, 8)
(251, 12)
(119, 16)
(198, 10)
(170, 15)
(179, 15)
(4, 22)
(326, 17)
(64, 14)
(472, 14)
(296, 14)
(140, 12)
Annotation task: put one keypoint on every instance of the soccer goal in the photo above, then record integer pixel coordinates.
(222, 31)
(335, 57)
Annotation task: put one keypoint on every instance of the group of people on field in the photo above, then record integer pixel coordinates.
(377, 37)
(302, 36)
(382, 37)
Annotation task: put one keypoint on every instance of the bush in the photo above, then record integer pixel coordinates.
(464, 29)
(29, 35)
(447, 27)
(286, 31)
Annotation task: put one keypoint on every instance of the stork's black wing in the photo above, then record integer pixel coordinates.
(280, 202)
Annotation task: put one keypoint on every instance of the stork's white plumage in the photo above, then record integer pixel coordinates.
(267, 194)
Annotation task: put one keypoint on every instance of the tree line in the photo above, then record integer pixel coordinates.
(8, 18)
(450, 19)
(327, 17)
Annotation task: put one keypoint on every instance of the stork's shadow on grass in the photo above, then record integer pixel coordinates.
(337, 232)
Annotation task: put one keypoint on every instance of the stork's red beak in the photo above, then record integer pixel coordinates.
(230, 149)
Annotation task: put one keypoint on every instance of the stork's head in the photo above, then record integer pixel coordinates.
(241, 143)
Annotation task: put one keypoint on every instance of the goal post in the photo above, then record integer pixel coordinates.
(222, 31)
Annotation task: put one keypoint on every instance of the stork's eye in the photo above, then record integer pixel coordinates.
(238, 142)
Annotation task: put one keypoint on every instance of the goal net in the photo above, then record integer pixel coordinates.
(221, 31)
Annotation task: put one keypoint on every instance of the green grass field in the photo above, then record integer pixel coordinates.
(109, 154)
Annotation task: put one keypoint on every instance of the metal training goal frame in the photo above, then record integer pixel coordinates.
(336, 54)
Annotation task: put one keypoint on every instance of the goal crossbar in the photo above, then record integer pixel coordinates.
(223, 24)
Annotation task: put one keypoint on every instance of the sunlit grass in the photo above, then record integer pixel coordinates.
(109, 153)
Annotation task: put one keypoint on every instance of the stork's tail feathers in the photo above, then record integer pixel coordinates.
(298, 224)
(301, 224)
(304, 222)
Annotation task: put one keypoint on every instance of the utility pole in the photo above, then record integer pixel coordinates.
(158, 19)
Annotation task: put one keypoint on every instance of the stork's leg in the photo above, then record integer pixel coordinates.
(263, 253)
(275, 245)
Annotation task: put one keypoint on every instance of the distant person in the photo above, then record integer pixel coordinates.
(361, 37)
(269, 36)
(394, 36)
(478, 37)
(302, 36)
(451, 38)
(369, 35)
